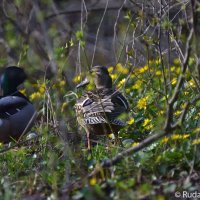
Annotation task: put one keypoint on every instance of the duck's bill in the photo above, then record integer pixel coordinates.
(83, 83)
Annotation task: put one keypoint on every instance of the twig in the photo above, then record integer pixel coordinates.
(75, 11)
(98, 30)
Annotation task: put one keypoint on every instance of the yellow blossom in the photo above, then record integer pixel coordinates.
(150, 126)
(35, 95)
(137, 84)
(142, 103)
(177, 113)
(42, 90)
(179, 136)
(113, 76)
(77, 79)
(176, 136)
(121, 69)
(183, 105)
(158, 72)
(143, 69)
(90, 87)
(23, 91)
(59, 84)
(196, 130)
(110, 69)
(135, 144)
(121, 83)
(191, 83)
(178, 69)
(196, 141)
(131, 121)
(161, 112)
(93, 181)
(186, 93)
(127, 90)
(158, 61)
(177, 61)
(164, 140)
(111, 136)
(185, 136)
(146, 122)
(172, 68)
(62, 83)
(174, 80)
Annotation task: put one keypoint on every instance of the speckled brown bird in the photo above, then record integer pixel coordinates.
(98, 110)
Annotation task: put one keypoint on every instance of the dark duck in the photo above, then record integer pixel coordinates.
(17, 114)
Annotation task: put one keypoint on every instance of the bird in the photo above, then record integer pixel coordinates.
(17, 114)
(98, 110)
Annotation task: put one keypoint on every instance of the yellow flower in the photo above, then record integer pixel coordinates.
(191, 83)
(196, 141)
(176, 136)
(147, 125)
(90, 86)
(164, 140)
(131, 121)
(127, 90)
(150, 126)
(121, 83)
(172, 68)
(23, 91)
(113, 76)
(135, 144)
(93, 181)
(77, 79)
(137, 84)
(158, 72)
(178, 69)
(183, 105)
(174, 80)
(42, 90)
(158, 61)
(111, 136)
(185, 136)
(177, 113)
(62, 83)
(110, 69)
(142, 103)
(121, 69)
(35, 95)
(161, 112)
(177, 61)
(59, 84)
(143, 69)
(146, 122)
(179, 136)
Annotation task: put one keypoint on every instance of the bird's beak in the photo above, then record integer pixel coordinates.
(83, 83)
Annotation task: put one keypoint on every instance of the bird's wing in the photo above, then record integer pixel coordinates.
(119, 102)
(94, 104)
(10, 105)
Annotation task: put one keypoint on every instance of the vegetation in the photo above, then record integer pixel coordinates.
(155, 65)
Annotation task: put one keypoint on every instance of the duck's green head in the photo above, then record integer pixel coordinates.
(11, 79)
